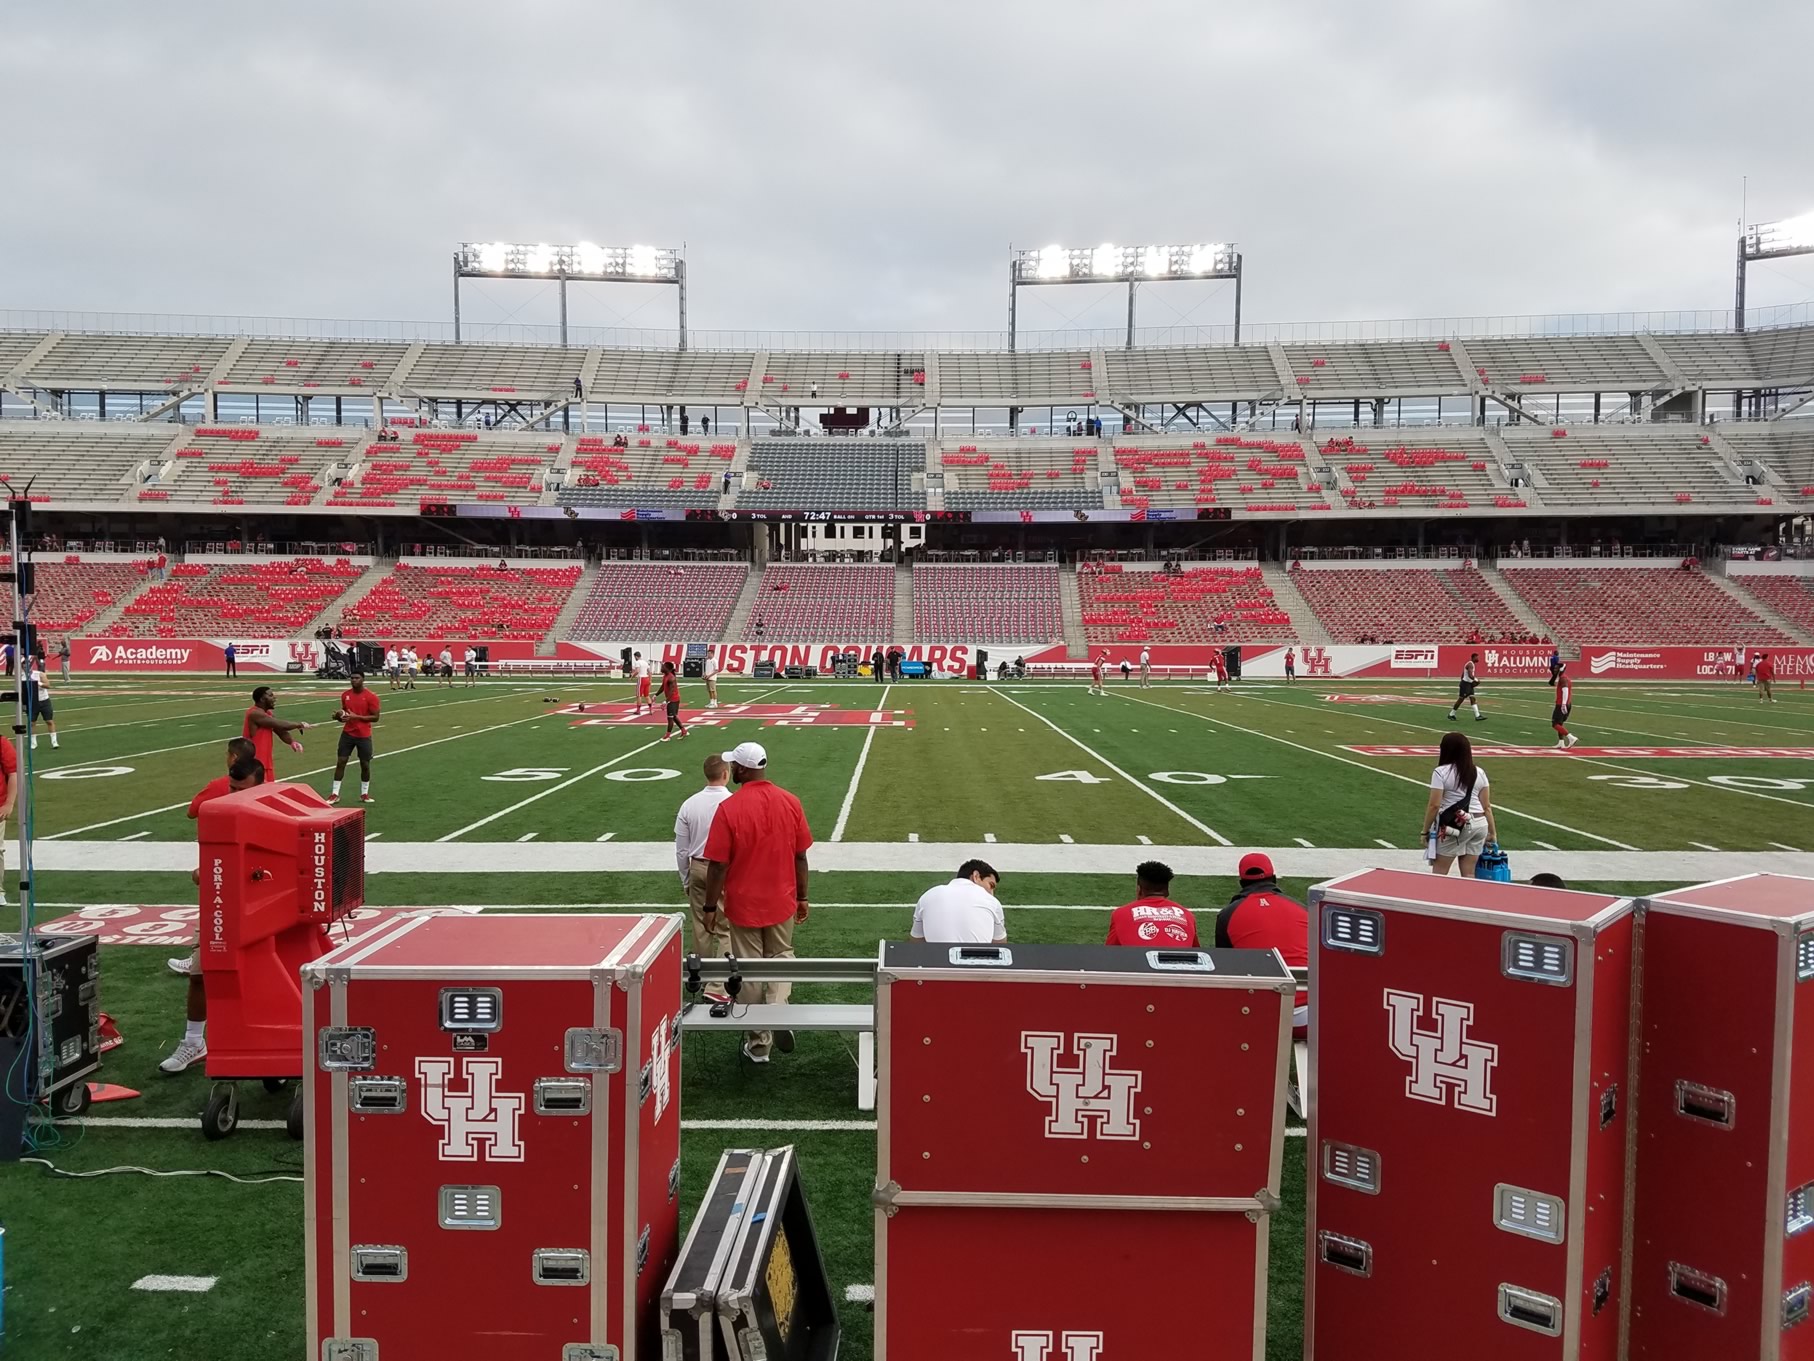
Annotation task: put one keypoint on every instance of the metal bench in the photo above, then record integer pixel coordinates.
(857, 1019)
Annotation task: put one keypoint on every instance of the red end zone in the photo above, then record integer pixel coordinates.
(1631, 753)
(616, 714)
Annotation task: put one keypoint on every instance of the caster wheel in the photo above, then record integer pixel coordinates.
(273, 1085)
(71, 1101)
(220, 1117)
(293, 1121)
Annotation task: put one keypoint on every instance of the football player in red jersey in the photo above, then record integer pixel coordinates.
(1565, 701)
(670, 693)
(357, 712)
(1152, 919)
(1096, 669)
(261, 726)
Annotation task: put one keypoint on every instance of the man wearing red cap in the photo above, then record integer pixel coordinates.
(1153, 920)
(1260, 917)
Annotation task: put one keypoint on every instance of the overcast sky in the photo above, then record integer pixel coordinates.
(866, 166)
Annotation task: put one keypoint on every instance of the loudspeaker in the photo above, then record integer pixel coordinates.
(628, 655)
(982, 664)
(1232, 655)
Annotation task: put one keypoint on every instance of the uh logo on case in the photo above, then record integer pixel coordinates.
(1444, 1062)
(479, 1116)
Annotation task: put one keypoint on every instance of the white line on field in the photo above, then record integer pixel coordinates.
(1152, 793)
(134, 836)
(319, 770)
(527, 836)
(989, 838)
(864, 1294)
(1144, 840)
(607, 836)
(191, 1285)
(1377, 841)
(913, 836)
(1702, 845)
(856, 776)
(1362, 765)
(1779, 846)
(1307, 845)
(166, 1122)
(1543, 845)
(551, 789)
(1066, 840)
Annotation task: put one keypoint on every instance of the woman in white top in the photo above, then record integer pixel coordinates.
(1456, 778)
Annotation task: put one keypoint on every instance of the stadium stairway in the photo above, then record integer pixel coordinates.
(1522, 612)
(903, 604)
(112, 615)
(563, 622)
(331, 613)
(746, 601)
(1287, 597)
(1070, 609)
(1761, 608)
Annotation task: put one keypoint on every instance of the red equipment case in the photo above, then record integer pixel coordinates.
(1723, 1243)
(1079, 1146)
(1469, 1079)
(493, 1153)
(278, 866)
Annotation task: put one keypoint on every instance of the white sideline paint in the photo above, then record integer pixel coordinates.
(856, 776)
(191, 1285)
(859, 1294)
(928, 857)
(1152, 793)
(758, 1126)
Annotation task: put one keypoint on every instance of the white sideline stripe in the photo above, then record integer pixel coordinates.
(920, 857)
(859, 1294)
(856, 776)
(319, 770)
(193, 1285)
(551, 789)
(1362, 765)
(760, 1126)
(1152, 793)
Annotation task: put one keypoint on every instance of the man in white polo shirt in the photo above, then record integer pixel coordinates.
(691, 826)
(962, 912)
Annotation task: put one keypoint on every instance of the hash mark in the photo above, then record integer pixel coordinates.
(1309, 846)
(1144, 840)
(1067, 840)
(989, 837)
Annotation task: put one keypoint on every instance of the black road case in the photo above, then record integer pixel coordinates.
(68, 970)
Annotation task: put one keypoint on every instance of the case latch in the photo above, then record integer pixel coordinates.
(346, 1048)
(594, 1050)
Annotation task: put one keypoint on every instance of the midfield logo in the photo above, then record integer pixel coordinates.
(1031, 1346)
(479, 1115)
(1445, 1061)
(1090, 1094)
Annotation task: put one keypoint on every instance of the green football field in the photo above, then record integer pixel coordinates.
(506, 796)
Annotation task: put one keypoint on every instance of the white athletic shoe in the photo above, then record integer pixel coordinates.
(183, 964)
(34, 741)
(367, 798)
(753, 1056)
(666, 735)
(1572, 740)
(184, 1056)
(331, 798)
(1561, 745)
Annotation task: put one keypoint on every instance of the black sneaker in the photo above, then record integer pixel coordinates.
(784, 1041)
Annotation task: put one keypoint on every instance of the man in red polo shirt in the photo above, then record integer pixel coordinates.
(1260, 917)
(756, 875)
(1152, 920)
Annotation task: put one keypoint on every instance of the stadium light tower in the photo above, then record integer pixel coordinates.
(587, 262)
(1770, 241)
(1132, 265)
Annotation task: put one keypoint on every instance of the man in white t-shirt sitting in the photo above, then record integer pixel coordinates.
(962, 912)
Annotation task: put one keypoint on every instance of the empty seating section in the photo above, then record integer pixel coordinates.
(1258, 473)
(1789, 453)
(240, 600)
(1790, 596)
(1636, 605)
(1219, 372)
(1026, 378)
(1201, 605)
(1784, 357)
(1446, 470)
(987, 603)
(462, 601)
(14, 346)
(832, 474)
(1535, 364)
(660, 601)
(1440, 605)
(133, 363)
(831, 604)
(77, 461)
(448, 465)
(1647, 465)
(72, 592)
(339, 365)
(236, 465)
(1717, 360)
(1012, 475)
(652, 471)
(894, 379)
(1373, 368)
(661, 375)
(524, 372)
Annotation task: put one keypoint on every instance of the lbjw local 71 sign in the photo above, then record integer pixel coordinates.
(1793, 664)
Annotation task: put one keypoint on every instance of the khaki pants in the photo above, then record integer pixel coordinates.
(763, 942)
(710, 944)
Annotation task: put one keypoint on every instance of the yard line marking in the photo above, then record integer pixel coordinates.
(1543, 845)
(1362, 765)
(913, 836)
(607, 836)
(861, 1294)
(989, 838)
(373, 836)
(1702, 845)
(319, 770)
(1066, 840)
(1779, 846)
(191, 1285)
(1144, 840)
(1307, 845)
(551, 789)
(527, 836)
(1387, 844)
(1154, 794)
(135, 836)
(856, 776)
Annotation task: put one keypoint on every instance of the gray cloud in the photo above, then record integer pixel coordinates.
(865, 167)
